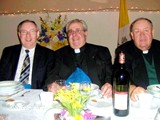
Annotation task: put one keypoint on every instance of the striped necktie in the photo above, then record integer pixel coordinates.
(24, 77)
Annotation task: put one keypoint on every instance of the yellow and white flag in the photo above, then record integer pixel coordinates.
(123, 33)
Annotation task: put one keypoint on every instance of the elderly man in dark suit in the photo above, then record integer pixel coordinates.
(41, 58)
(142, 56)
(93, 60)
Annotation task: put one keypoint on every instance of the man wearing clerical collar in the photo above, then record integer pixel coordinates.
(81, 61)
(142, 56)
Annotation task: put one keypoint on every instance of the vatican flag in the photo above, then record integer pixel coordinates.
(123, 33)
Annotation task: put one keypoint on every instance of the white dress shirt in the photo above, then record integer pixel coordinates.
(20, 63)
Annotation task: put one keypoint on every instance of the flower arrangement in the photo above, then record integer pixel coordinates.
(73, 102)
(53, 33)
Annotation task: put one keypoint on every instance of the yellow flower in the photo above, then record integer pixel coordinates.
(72, 100)
(78, 117)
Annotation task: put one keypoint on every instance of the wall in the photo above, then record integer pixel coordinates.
(103, 26)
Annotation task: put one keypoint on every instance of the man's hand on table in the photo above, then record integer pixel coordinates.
(106, 90)
(134, 91)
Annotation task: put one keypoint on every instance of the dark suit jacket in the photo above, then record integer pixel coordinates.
(95, 61)
(44, 60)
(135, 63)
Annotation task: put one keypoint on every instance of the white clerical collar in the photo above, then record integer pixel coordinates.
(77, 50)
(145, 51)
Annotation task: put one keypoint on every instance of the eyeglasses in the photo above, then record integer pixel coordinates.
(77, 31)
(31, 32)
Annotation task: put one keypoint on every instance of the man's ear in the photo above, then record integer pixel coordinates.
(153, 33)
(86, 33)
(38, 34)
(131, 35)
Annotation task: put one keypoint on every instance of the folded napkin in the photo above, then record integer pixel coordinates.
(27, 86)
(78, 76)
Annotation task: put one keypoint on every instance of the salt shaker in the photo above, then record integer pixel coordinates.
(157, 117)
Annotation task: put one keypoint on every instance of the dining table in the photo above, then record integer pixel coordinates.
(29, 108)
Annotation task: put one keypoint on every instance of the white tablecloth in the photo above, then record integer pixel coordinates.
(32, 112)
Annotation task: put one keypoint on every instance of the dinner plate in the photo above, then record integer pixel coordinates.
(9, 84)
(7, 92)
(56, 105)
(94, 89)
(154, 89)
(16, 104)
(100, 106)
(51, 114)
(93, 86)
(99, 102)
(8, 88)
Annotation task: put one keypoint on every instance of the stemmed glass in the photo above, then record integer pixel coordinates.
(60, 83)
(85, 88)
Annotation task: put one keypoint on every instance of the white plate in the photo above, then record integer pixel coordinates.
(100, 106)
(94, 89)
(9, 87)
(51, 114)
(16, 104)
(93, 86)
(9, 84)
(154, 89)
(56, 105)
(9, 92)
(99, 102)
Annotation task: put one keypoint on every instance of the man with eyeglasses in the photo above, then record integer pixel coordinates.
(40, 59)
(81, 61)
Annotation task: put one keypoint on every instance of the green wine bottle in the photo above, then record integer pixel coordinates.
(121, 82)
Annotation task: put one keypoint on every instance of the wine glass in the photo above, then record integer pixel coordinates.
(85, 87)
(60, 83)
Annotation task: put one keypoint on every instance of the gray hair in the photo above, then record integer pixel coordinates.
(138, 19)
(25, 21)
(85, 27)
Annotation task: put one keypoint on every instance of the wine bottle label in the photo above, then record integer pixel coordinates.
(121, 100)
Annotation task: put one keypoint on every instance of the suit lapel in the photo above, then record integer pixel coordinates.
(36, 61)
(70, 60)
(16, 55)
(90, 56)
